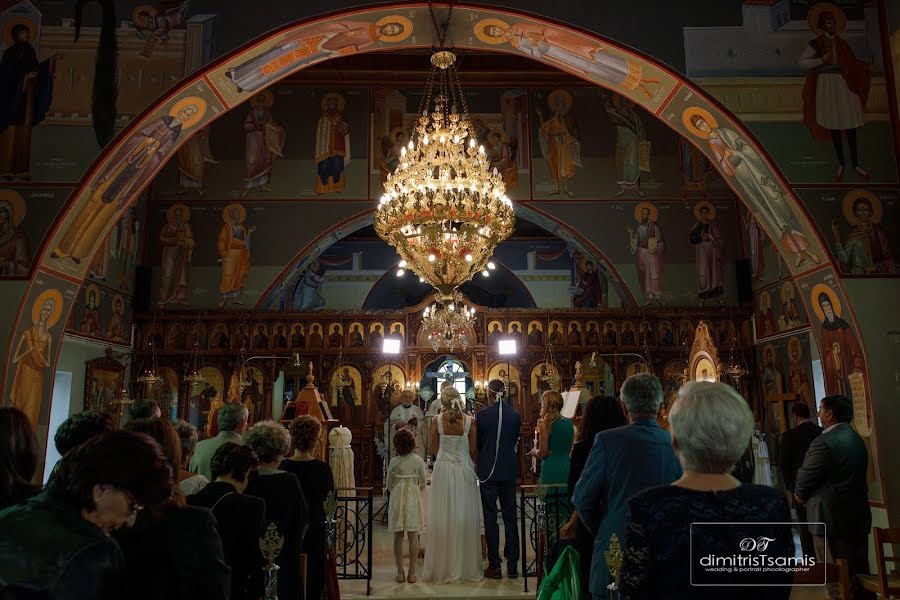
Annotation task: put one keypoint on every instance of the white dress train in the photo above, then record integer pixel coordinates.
(454, 544)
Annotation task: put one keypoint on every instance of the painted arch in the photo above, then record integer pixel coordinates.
(291, 274)
(142, 149)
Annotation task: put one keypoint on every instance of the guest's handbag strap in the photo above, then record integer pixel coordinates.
(213, 507)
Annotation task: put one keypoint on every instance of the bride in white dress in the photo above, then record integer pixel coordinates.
(454, 544)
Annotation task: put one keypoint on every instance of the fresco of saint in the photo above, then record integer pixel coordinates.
(560, 140)
(866, 249)
(743, 166)
(129, 169)
(649, 247)
(233, 246)
(177, 242)
(709, 254)
(32, 355)
(264, 142)
(332, 145)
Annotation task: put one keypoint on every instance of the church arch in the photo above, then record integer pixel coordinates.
(233, 79)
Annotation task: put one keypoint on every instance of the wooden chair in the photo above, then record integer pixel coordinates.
(839, 573)
(887, 582)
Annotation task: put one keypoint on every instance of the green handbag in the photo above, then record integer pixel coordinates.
(563, 582)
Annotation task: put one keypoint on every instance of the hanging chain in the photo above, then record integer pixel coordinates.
(441, 31)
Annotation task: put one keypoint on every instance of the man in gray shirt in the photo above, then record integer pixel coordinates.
(232, 421)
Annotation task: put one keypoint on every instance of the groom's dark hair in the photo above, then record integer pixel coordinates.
(495, 387)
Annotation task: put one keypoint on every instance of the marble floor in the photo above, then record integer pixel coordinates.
(384, 586)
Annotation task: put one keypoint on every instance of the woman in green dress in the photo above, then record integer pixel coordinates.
(555, 436)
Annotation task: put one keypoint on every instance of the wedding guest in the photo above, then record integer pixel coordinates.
(555, 435)
(144, 409)
(792, 449)
(711, 425)
(79, 428)
(232, 419)
(317, 482)
(286, 506)
(172, 550)
(58, 541)
(406, 482)
(832, 485)
(498, 472)
(555, 440)
(600, 413)
(19, 453)
(188, 483)
(240, 517)
(622, 462)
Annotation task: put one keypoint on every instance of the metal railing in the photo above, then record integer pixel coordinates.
(353, 534)
(543, 510)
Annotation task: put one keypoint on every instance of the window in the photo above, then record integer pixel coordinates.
(453, 372)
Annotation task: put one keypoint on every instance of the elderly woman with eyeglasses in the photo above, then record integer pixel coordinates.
(706, 512)
(58, 541)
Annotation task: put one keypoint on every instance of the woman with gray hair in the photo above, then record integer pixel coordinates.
(286, 506)
(454, 506)
(669, 529)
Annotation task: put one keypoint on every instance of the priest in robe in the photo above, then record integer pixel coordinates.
(407, 415)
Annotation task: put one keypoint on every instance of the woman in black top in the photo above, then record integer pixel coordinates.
(600, 413)
(59, 540)
(173, 551)
(285, 504)
(241, 517)
(711, 425)
(317, 482)
(18, 457)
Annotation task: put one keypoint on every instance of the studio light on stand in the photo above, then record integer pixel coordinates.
(390, 346)
(507, 347)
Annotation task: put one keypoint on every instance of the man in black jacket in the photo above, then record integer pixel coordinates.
(794, 443)
(241, 517)
(832, 484)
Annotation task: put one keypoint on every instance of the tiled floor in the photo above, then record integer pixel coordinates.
(384, 586)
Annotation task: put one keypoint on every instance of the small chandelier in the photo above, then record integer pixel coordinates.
(195, 377)
(447, 322)
(150, 376)
(444, 209)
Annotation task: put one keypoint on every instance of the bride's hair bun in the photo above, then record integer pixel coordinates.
(451, 400)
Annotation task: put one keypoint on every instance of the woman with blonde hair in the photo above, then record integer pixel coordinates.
(555, 436)
(455, 505)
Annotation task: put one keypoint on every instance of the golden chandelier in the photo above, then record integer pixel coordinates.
(443, 208)
(448, 322)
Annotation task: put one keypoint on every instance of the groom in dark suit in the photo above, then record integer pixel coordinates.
(497, 469)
